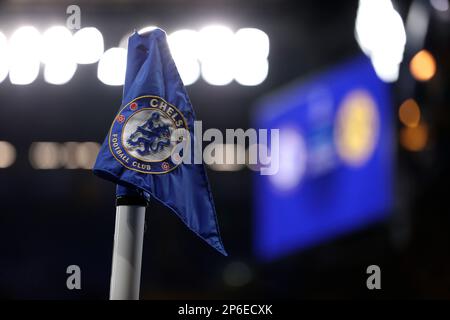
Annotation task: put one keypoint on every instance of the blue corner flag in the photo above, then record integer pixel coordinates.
(140, 152)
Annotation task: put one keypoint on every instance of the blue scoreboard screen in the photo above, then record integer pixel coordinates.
(335, 161)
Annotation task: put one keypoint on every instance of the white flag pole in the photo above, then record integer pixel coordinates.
(127, 252)
(128, 243)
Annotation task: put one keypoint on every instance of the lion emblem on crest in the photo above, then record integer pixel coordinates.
(151, 137)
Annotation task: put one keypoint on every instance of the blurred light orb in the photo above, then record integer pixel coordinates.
(423, 66)
(379, 27)
(380, 32)
(7, 154)
(112, 67)
(251, 72)
(87, 154)
(188, 68)
(440, 5)
(217, 72)
(23, 73)
(386, 69)
(88, 45)
(57, 45)
(409, 113)
(4, 59)
(184, 46)
(58, 55)
(385, 34)
(414, 139)
(251, 43)
(292, 160)
(26, 37)
(184, 43)
(59, 73)
(79, 155)
(69, 155)
(216, 43)
(45, 155)
(25, 53)
(357, 128)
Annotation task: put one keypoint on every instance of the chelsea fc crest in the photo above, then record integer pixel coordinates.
(145, 135)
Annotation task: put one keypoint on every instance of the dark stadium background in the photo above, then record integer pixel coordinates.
(50, 219)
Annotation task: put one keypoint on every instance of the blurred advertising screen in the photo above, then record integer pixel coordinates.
(335, 163)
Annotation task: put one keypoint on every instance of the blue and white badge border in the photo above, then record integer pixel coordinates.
(167, 117)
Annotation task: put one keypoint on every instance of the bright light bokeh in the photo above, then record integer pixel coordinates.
(184, 42)
(112, 67)
(215, 52)
(86, 154)
(217, 72)
(59, 72)
(183, 46)
(414, 139)
(45, 155)
(423, 66)
(24, 52)
(251, 43)
(386, 69)
(189, 69)
(88, 45)
(57, 45)
(251, 72)
(224, 55)
(79, 155)
(3, 57)
(379, 28)
(409, 113)
(440, 5)
(380, 33)
(69, 155)
(216, 43)
(292, 160)
(7, 154)
(357, 128)
(58, 55)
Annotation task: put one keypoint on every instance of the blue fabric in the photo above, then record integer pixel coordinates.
(152, 71)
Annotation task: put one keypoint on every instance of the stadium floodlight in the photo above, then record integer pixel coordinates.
(112, 67)
(24, 52)
(88, 45)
